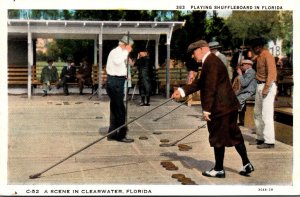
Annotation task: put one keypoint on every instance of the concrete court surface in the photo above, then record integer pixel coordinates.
(44, 130)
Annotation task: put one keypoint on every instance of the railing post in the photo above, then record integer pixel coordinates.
(30, 60)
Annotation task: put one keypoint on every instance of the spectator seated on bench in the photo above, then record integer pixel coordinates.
(67, 75)
(84, 75)
(244, 86)
(49, 75)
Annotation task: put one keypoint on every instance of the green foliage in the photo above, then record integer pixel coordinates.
(246, 25)
(217, 30)
(13, 14)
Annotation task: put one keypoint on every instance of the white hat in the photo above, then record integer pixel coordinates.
(127, 40)
(214, 45)
(246, 62)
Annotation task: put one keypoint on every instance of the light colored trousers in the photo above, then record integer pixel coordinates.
(264, 114)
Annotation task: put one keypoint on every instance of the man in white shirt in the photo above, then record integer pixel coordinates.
(116, 69)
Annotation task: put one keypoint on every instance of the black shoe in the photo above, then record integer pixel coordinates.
(247, 169)
(45, 93)
(66, 93)
(265, 145)
(147, 104)
(126, 140)
(214, 173)
(111, 139)
(257, 142)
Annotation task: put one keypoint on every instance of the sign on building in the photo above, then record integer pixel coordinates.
(275, 48)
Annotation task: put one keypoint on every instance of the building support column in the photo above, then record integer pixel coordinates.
(169, 36)
(156, 51)
(95, 51)
(156, 60)
(29, 60)
(100, 42)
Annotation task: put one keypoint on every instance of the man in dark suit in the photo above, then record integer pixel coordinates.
(144, 71)
(84, 75)
(67, 75)
(220, 108)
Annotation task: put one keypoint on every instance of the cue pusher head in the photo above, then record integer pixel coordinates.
(34, 176)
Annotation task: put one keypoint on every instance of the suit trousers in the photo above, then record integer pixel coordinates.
(264, 114)
(242, 99)
(115, 91)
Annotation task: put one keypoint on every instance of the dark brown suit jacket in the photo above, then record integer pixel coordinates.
(217, 95)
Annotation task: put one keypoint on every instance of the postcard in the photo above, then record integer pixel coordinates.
(54, 132)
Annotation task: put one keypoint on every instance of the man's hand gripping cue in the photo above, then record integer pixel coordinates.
(176, 95)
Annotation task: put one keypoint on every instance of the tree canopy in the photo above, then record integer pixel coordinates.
(270, 25)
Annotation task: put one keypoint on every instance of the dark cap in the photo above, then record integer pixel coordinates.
(258, 42)
(141, 49)
(69, 58)
(196, 45)
(50, 59)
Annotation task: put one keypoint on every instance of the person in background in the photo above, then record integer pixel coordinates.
(192, 68)
(67, 75)
(266, 75)
(220, 108)
(116, 69)
(84, 75)
(247, 83)
(214, 48)
(144, 71)
(49, 75)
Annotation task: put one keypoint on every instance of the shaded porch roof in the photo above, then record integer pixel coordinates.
(111, 30)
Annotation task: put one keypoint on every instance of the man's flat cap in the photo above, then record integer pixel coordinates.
(196, 45)
(247, 62)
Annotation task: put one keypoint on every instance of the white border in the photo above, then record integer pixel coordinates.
(145, 5)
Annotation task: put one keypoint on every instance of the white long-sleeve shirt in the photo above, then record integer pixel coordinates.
(116, 62)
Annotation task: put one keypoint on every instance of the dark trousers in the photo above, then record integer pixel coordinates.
(115, 91)
(83, 81)
(220, 152)
(63, 82)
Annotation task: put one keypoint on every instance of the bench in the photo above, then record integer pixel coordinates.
(17, 75)
(177, 78)
(283, 124)
(95, 76)
(249, 113)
